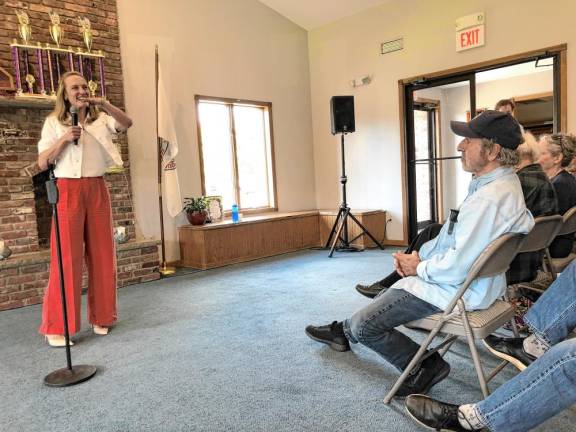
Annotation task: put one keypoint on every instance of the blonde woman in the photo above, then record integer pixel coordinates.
(556, 153)
(80, 156)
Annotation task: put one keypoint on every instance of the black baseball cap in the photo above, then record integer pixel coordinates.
(497, 126)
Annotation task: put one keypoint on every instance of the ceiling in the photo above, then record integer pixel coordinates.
(310, 14)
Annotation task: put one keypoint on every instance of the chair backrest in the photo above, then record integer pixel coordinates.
(545, 230)
(569, 225)
(494, 260)
(497, 256)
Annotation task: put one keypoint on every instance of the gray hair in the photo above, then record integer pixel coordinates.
(561, 143)
(506, 157)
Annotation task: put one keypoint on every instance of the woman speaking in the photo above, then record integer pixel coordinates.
(81, 154)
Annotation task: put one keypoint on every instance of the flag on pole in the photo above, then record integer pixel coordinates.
(168, 151)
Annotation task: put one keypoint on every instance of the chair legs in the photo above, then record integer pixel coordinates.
(549, 265)
(415, 360)
(474, 352)
(421, 353)
(513, 320)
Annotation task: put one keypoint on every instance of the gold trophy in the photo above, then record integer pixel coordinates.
(30, 80)
(24, 27)
(86, 30)
(92, 86)
(56, 31)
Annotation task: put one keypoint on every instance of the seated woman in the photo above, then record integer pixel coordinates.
(556, 153)
(540, 198)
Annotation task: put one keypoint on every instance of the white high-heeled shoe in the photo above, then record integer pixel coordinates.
(57, 341)
(99, 330)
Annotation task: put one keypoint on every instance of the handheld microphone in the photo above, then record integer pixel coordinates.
(453, 219)
(74, 116)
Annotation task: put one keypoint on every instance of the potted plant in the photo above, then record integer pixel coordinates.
(196, 210)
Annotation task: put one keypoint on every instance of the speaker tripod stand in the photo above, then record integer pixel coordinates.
(339, 232)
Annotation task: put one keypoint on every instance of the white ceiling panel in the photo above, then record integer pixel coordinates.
(310, 14)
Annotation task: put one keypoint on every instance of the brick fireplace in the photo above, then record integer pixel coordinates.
(25, 216)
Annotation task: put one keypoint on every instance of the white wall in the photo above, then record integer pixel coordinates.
(227, 48)
(350, 48)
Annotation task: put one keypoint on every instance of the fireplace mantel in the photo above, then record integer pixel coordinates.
(23, 102)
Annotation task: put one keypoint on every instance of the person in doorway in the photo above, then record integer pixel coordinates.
(557, 152)
(506, 106)
(545, 386)
(80, 156)
(432, 276)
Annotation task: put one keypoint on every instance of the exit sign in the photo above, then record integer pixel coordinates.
(470, 31)
(472, 37)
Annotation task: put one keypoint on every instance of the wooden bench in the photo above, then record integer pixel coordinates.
(222, 243)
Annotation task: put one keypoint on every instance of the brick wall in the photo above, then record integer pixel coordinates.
(24, 215)
(24, 277)
(19, 132)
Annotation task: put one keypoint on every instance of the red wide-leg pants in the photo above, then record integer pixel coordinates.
(85, 219)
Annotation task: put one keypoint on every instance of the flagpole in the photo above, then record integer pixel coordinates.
(164, 269)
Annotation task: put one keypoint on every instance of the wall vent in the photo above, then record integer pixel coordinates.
(391, 46)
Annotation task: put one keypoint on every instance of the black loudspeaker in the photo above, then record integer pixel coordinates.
(342, 114)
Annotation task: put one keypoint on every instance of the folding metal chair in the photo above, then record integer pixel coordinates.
(543, 233)
(556, 265)
(455, 321)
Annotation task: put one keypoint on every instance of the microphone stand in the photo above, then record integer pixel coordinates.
(69, 375)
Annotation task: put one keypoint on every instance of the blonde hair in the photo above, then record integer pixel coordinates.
(62, 107)
(529, 148)
(561, 143)
(506, 157)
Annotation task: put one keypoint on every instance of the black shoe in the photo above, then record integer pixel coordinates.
(371, 290)
(331, 334)
(509, 349)
(433, 414)
(433, 370)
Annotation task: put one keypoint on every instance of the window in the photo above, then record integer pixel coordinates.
(236, 152)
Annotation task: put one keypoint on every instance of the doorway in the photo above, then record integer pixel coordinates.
(434, 180)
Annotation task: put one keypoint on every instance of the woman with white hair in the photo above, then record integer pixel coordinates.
(556, 153)
(540, 198)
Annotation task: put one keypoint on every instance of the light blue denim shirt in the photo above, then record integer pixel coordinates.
(494, 206)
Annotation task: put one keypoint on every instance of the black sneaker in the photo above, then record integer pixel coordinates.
(371, 290)
(433, 414)
(509, 349)
(433, 370)
(331, 334)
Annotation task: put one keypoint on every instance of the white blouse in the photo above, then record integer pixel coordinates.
(93, 155)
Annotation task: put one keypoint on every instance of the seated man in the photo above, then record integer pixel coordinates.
(494, 206)
(540, 198)
(542, 390)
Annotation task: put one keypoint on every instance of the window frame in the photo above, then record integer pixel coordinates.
(231, 102)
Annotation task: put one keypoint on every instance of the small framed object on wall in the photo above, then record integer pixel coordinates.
(215, 209)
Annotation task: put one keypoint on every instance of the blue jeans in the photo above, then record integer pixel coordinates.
(374, 325)
(547, 386)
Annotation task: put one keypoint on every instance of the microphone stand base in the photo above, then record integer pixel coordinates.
(68, 377)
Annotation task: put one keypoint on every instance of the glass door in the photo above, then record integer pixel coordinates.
(436, 181)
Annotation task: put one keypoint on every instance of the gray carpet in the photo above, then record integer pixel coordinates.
(223, 350)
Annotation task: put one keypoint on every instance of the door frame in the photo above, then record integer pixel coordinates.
(439, 170)
(560, 105)
(409, 144)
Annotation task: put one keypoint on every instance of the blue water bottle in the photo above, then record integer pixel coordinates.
(234, 213)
